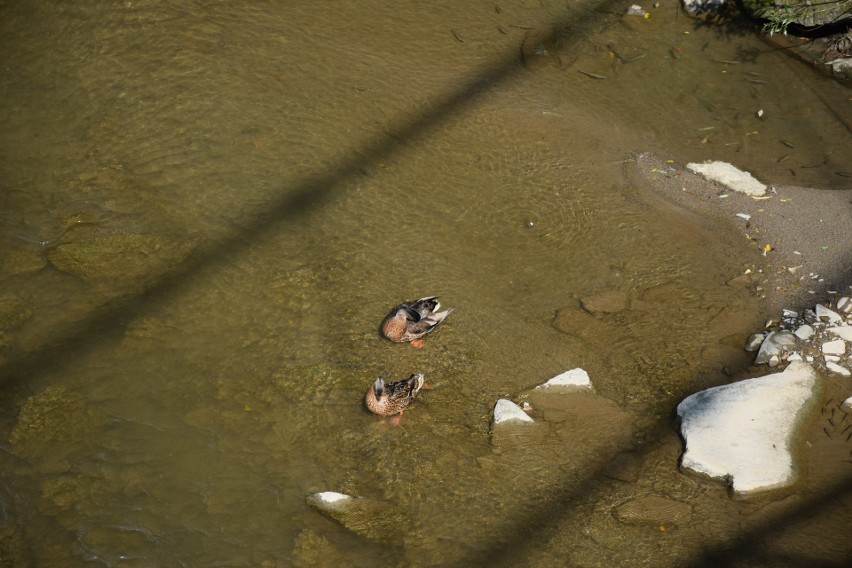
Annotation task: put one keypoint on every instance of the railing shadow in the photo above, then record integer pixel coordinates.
(525, 531)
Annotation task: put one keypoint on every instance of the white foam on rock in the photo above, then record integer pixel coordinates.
(730, 176)
(743, 432)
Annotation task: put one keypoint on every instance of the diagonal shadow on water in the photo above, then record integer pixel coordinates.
(312, 193)
(516, 540)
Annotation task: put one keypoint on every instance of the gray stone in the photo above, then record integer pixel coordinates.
(776, 343)
(507, 411)
(836, 347)
(842, 331)
(804, 332)
(575, 379)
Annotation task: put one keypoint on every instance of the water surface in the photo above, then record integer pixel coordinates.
(207, 210)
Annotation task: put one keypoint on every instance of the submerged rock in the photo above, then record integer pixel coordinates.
(610, 301)
(654, 510)
(507, 411)
(118, 258)
(743, 432)
(366, 517)
(573, 380)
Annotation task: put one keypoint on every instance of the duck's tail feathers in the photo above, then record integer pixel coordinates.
(436, 318)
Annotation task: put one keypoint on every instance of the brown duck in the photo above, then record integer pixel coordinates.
(392, 398)
(409, 321)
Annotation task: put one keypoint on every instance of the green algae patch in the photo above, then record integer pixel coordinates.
(124, 259)
(51, 424)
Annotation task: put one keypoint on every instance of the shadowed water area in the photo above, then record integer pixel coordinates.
(207, 210)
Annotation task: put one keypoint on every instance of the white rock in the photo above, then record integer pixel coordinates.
(836, 347)
(844, 305)
(698, 6)
(635, 10)
(840, 370)
(753, 342)
(730, 176)
(847, 404)
(829, 315)
(776, 343)
(330, 497)
(744, 431)
(804, 332)
(508, 411)
(843, 332)
(575, 379)
(794, 357)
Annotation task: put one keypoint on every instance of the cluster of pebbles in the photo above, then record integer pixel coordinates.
(821, 336)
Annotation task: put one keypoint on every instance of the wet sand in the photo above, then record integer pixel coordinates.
(808, 230)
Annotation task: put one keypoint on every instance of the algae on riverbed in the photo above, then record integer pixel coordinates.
(130, 259)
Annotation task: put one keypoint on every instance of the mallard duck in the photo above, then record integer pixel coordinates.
(410, 321)
(393, 398)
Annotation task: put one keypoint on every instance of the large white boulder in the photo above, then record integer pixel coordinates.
(743, 432)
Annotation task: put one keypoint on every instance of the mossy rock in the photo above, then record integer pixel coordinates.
(51, 424)
(805, 14)
(118, 259)
(13, 312)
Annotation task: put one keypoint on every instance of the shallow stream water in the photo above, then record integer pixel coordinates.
(207, 209)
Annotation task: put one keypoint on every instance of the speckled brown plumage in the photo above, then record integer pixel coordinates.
(412, 320)
(392, 398)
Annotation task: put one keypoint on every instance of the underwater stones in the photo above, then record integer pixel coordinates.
(23, 260)
(654, 510)
(124, 258)
(743, 432)
(610, 301)
(729, 176)
(366, 517)
(506, 411)
(847, 404)
(844, 305)
(52, 425)
(775, 343)
(573, 380)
